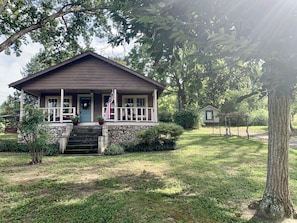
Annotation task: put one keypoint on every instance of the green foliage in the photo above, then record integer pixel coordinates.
(114, 149)
(259, 118)
(158, 138)
(34, 133)
(154, 146)
(165, 116)
(160, 134)
(141, 187)
(13, 146)
(186, 118)
(51, 150)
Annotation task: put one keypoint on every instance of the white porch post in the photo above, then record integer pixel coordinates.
(115, 97)
(61, 106)
(22, 105)
(38, 102)
(155, 118)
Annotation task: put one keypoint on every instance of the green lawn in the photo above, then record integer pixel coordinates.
(8, 136)
(209, 179)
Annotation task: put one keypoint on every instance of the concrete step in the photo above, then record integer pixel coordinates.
(83, 140)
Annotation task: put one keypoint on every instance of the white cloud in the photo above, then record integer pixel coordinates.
(11, 66)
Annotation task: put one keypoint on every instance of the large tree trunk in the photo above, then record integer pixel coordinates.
(276, 203)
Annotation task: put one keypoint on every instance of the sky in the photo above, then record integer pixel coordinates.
(11, 66)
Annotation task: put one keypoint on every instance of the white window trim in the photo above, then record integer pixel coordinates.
(206, 115)
(135, 97)
(58, 100)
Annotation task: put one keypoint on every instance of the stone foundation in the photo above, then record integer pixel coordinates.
(60, 134)
(124, 133)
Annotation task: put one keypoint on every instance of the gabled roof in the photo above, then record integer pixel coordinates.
(18, 84)
(209, 107)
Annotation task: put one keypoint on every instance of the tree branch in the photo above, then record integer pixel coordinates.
(62, 12)
(2, 6)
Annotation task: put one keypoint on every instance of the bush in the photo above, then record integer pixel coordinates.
(162, 133)
(10, 146)
(259, 118)
(114, 149)
(158, 138)
(13, 146)
(51, 150)
(143, 147)
(165, 116)
(187, 119)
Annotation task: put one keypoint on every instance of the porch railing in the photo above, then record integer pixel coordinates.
(131, 114)
(54, 114)
(134, 114)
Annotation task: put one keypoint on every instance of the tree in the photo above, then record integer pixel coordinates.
(34, 133)
(241, 30)
(59, 24)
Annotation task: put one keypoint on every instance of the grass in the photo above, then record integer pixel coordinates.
(209, 179)
(8, 136)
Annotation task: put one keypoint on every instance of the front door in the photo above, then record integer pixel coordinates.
(85, 109)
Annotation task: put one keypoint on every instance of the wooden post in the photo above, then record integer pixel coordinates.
(115, 104)
(155, 118)
(22, 105)
(62, 105)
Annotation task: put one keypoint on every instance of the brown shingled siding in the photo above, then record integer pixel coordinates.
(89, 73)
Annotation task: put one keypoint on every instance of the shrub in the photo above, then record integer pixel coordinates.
(158, 138)
(165, 116)
(9, 146)
(162, 133)
(259, 118)
(51, 150)
(143, 147)
(128, 146)
(13, 146)
(114, 149)
(186, 118)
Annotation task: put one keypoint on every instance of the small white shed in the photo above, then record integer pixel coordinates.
(209, 115)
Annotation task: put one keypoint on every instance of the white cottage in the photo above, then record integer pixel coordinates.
(209, 115)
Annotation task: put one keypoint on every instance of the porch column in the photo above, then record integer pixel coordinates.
(22, 105)
(115, 105)
(38, 102)
(61, 106)
(155, 117)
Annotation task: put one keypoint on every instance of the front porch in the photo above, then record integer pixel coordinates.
(124, 107)
(118, 114)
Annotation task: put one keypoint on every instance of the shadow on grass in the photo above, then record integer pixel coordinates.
(124, 198)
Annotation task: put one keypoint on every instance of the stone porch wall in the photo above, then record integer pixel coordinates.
(60, 134)
(125, 132)
(58, 131)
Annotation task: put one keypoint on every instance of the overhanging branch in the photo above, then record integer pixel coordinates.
(65, 10)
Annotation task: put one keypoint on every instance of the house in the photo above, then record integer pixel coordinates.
(209, 115)
(90, 85)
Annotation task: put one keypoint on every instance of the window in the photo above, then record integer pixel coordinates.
(136, 107)
(54, 102)
(209, 115)
(135, 101)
